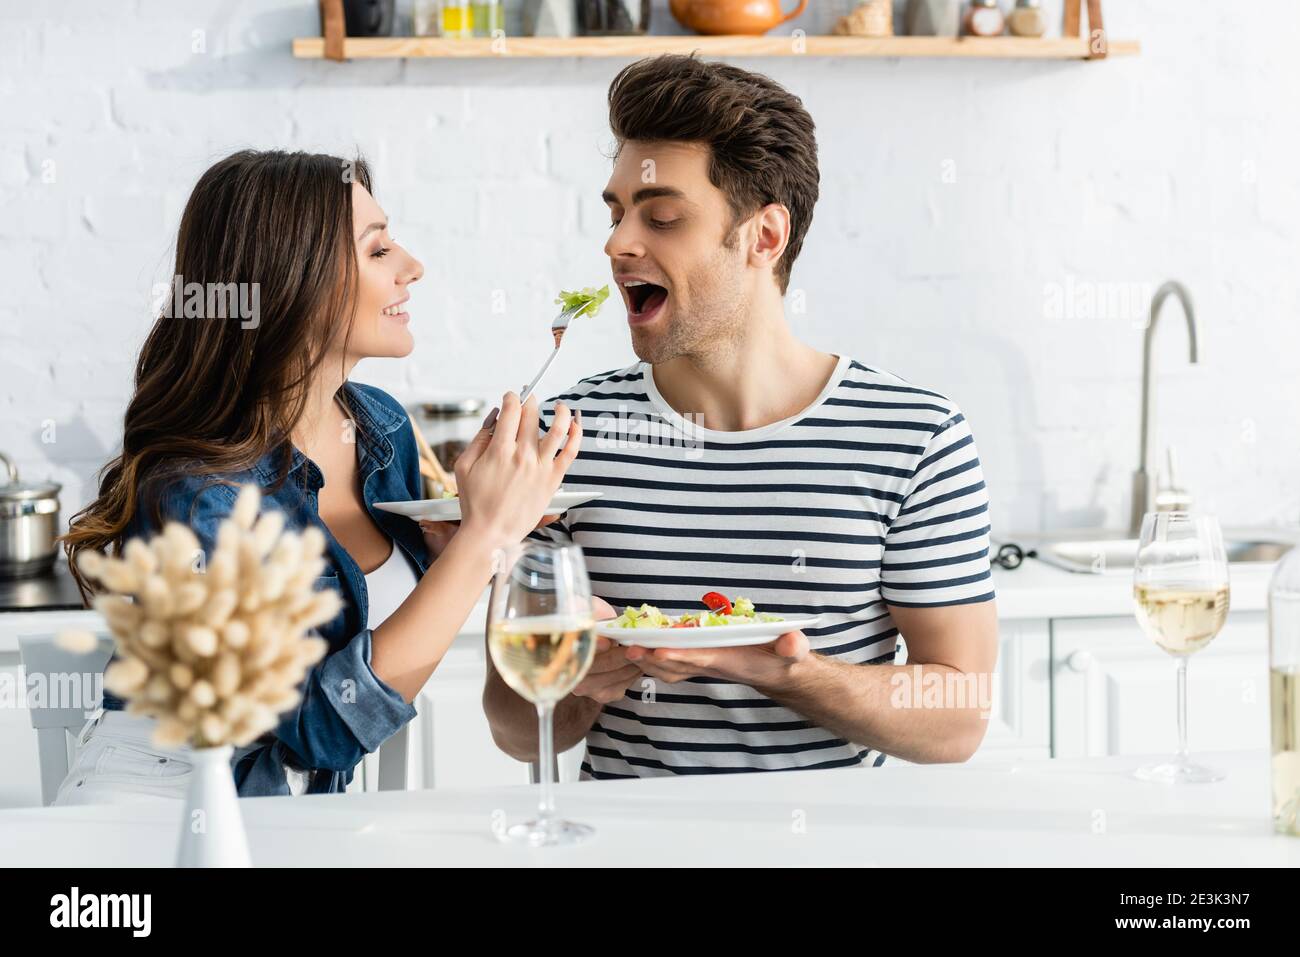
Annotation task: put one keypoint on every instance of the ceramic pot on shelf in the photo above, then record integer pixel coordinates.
(720, 17)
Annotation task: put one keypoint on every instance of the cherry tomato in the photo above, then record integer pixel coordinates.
(715, 601)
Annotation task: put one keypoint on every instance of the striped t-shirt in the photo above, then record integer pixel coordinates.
(873, 494)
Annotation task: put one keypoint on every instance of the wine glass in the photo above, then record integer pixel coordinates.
(542, 638)
(1180, 585)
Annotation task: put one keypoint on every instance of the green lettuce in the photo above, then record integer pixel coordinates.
(648, 616)
(590, 300)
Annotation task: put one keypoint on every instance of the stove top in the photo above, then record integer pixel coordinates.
(56, 591)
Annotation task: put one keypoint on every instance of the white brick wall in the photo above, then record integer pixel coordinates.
(957, 195)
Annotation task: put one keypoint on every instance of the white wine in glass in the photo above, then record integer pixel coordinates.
(1182, 621)
(1180, 588)
(543, 658)
(542, 638)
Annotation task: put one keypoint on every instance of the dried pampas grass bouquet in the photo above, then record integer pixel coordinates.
(214, 650)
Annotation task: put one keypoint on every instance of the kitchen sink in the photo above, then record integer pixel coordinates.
(1098, 551)
(1100, 555)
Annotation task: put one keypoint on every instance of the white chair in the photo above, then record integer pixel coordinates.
(57, 727)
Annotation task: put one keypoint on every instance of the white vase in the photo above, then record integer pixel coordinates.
(212, 830)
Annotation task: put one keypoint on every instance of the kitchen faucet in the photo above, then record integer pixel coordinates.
(1143, 483)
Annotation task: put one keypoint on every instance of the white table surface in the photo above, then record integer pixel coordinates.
(1076, 813)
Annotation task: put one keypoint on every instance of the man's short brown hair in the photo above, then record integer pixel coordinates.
(763, 142)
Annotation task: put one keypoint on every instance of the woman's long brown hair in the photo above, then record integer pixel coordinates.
(214, 395)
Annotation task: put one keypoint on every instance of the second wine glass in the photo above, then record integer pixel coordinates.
(1180, 586)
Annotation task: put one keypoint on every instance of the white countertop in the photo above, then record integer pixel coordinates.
(1039, 590)
(1034, 590)
(1054, 813)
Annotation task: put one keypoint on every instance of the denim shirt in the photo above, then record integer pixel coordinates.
(345, 711)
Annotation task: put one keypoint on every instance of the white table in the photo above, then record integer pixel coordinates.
(1075, 813)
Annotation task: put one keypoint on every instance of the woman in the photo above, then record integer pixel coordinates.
(224, 401)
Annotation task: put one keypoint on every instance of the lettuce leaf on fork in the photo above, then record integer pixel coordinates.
(590, 299)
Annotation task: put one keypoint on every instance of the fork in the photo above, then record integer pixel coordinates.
(558, 327)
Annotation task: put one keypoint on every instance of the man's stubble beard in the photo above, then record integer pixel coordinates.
(715, 325)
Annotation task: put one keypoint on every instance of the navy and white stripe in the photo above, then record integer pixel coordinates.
(872, 495)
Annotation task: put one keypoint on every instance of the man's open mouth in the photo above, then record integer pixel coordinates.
(644, 298)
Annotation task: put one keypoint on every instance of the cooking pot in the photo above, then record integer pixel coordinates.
(29, 524)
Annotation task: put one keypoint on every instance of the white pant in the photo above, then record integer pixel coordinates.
(116, 763)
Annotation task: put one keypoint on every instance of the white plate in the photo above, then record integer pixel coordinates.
(713, 636)
(448, 509)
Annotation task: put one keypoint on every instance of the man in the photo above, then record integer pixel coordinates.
(735, 458)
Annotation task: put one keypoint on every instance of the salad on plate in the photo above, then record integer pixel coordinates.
(719, 611)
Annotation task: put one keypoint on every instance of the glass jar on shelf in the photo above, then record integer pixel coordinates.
(449, 425)
(488, 16)
(424, 18)
(613, 18)
(456, 19)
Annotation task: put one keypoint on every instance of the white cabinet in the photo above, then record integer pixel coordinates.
(1020, 716)
(449, 743)
(1115, 692)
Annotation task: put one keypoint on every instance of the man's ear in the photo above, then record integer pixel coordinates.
(770, 236)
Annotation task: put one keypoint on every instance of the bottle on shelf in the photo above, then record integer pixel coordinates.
(488, 17)
(550, 18)
(424, 18)
(456, 19)
(984, 19)
(620, 18)
(1027, 19)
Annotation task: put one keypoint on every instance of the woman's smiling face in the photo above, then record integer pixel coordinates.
(381, 324)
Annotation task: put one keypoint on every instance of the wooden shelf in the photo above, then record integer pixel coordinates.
(1006, 48)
